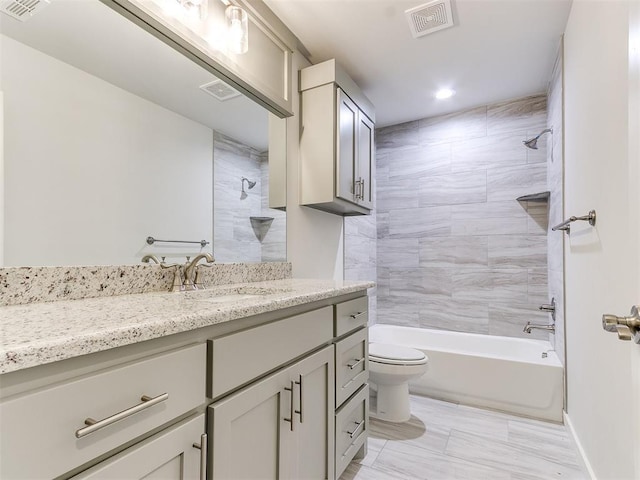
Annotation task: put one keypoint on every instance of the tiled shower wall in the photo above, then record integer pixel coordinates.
(274, 245)
(234, 238)
(360, 253)
(555, 182)
(455, 249)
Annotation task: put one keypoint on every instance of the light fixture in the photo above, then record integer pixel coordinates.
(194, 9)
(444, 93)
(237, 30)
(184, 10)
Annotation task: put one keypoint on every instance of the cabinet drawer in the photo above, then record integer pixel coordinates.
(44, 424)
(238, 358)
(352, 364)
(351, 315)
(352, 428)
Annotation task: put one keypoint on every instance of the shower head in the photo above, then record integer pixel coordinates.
(533, 142)
(250, 184)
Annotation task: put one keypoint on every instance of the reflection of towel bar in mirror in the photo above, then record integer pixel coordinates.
(566, 225)
(151, 241)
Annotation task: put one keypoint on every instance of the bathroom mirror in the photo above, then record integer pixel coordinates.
(111, 137)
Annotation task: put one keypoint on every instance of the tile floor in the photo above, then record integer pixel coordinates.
(449, 441)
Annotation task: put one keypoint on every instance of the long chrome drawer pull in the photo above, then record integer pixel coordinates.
(202, 446)
(299, 412)
(291, 407)
(355, 364)
(93, 425)
(359, 424)
(359, 314)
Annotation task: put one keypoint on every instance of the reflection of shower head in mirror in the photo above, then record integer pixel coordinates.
(250, 185)
(532, 143)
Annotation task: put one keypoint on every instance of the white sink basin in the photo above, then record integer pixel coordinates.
(231, 297)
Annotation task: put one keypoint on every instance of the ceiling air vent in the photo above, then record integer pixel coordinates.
(220, 90)
(22, 10)
(430, 17)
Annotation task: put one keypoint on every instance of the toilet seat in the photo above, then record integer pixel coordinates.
(395, 355)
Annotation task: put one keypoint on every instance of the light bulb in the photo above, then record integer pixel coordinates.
(237, 30)
(444, 93)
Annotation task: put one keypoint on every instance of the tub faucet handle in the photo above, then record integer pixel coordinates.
(549, 308)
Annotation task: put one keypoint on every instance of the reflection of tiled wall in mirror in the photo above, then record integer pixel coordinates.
(234, 238)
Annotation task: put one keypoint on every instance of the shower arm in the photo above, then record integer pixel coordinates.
(566, 225)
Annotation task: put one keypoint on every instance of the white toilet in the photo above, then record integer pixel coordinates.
(390, 369)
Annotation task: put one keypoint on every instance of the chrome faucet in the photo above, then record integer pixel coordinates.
(178, 284)
(146, 259)
(531, 326)
(190, 267)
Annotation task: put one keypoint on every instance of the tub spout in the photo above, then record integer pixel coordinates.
(531, 326)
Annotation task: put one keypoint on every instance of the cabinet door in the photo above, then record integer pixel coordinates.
(250, 437)
(315, 382)
(365, 161)
(167, 455)
(346, 142)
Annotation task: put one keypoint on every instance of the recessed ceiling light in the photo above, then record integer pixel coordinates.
(444, 93)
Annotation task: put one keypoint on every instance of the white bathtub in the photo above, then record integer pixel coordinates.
(501, 373)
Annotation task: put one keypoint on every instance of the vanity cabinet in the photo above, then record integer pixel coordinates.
(284, 419)
(73, 422)
(336, 143)
(352, 375)
(274, 396)
(278, 427)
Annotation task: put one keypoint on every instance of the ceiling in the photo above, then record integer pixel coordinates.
(92, 37)
(497, 50)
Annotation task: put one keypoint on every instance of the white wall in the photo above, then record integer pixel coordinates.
(601, 262)
(91, 170)
(315, 242)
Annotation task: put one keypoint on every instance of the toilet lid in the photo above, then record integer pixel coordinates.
(395, 354)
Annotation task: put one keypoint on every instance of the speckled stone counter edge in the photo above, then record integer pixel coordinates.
(22, 285)
(45, 332)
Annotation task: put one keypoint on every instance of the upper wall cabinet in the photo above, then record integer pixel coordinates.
(253, 53)
(336, 143)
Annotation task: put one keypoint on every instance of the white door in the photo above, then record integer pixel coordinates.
(634, 191)
(602, 263)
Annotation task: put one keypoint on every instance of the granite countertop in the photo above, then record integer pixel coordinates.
(40, 333)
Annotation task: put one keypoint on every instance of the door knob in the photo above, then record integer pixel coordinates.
(627, 328)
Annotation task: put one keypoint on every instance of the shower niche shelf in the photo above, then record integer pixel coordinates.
(261, 226)
(535, 197)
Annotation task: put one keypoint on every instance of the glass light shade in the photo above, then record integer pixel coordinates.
(194, 9)
(237, 30)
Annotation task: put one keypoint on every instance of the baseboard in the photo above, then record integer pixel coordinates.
(586, 466)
